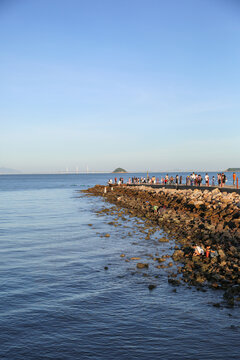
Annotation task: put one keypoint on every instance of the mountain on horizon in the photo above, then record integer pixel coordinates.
(119, 170)
(4, 170)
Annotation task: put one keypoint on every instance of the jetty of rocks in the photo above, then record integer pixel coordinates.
(192, 217)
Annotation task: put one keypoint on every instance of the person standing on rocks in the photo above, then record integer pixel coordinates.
(192, 177)
(199, 180)
(207, 179)
(176, 179)
(208, 249)
(234, 179)
(224, 179)
(213, 180)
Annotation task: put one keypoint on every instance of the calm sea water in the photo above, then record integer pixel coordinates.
(58, 302)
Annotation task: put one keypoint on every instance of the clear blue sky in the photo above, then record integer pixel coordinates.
(140, 84)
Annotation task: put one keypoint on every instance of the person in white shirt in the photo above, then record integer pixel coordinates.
(198, 251)
(207, 179)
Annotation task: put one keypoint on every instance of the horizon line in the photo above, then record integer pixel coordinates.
(109, 172)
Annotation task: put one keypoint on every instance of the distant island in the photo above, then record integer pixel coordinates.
(233, 169)
(119, 170)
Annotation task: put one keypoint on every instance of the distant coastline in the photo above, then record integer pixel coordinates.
(233, 169)
(8, 171)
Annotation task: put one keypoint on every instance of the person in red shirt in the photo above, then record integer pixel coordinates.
(234, 179)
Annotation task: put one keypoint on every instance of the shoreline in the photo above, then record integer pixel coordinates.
(193, 217)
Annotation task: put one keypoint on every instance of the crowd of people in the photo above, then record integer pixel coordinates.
(197, 180)
(193, 179)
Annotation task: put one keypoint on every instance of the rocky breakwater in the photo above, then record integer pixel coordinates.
(209, 219)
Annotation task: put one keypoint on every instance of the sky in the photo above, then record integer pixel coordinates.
(139, 84)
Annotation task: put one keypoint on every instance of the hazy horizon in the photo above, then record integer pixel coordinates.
(89, 172)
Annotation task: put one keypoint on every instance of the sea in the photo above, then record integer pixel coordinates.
(67, 293)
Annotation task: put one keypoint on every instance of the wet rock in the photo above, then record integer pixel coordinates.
(200, 279)
(142, 265)
(151, 287)
(215, 285)
(178, 255)
(174, 282)
(160, 267)
(163, 239)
